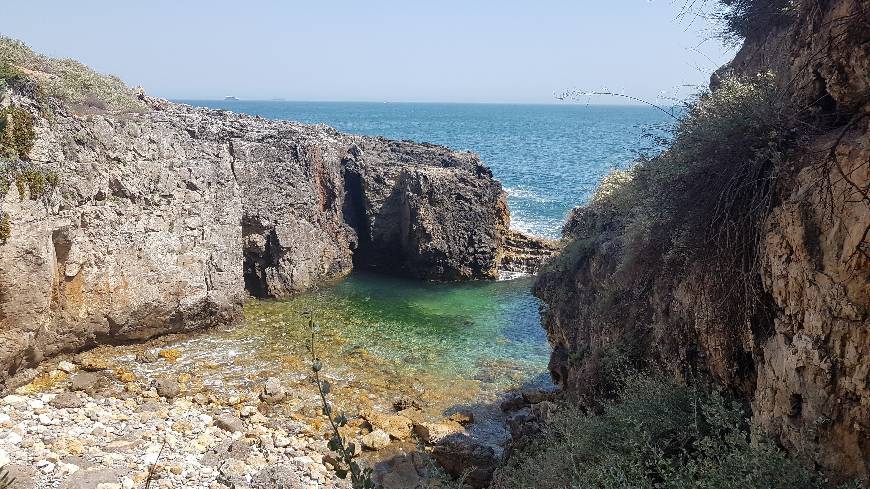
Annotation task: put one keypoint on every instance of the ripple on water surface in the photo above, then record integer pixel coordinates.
(383, 337)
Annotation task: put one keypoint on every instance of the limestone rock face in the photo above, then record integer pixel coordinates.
(164, 220)
(805, 365)
(423, 220)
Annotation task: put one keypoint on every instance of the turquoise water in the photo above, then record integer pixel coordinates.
(486, 335)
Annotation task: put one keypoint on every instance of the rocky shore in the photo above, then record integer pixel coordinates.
(132, 217)
(114, 417)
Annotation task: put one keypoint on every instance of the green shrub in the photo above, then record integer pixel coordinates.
(70, 80)
(659, 435)
(10, 76)
(17, 134)
(5, 228)
(741, 18)
(700, 203)
(31, 182)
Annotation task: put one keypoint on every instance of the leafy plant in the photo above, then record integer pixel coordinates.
(361, 478)
(9, 75)
(5, 228)
(16, 132)
(658, 435)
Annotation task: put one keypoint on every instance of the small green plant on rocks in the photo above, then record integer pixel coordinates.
(361, 478)
(16, 132)
(656, 435)
(5, 227)
(67, 79)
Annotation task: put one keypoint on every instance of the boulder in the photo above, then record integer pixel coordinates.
(228, 422)
(167, 387)
(273, 391)
(376, 440)
(67, 400)
(432, 433)
(395, 425)
(462, 416)
(459, 454)
(88, 382)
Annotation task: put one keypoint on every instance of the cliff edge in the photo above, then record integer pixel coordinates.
(740, 256)
(124, 216)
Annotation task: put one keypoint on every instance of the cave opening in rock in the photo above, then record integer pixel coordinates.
(258, 251)
(354, 214)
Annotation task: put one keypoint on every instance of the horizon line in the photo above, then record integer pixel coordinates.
(556, 103)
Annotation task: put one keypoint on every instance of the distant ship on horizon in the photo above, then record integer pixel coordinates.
(230, 97)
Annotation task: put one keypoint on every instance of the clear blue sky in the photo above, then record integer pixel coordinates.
(396, 50)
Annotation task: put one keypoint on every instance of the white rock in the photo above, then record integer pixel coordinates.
(45, 420)
(282, 441)
(35, 404)
(13, 438)
(13, 400)
(247, 411)
(127, 483)
(45, 466)
(4, 458)
(150, 458)
(67, 367)
(67, 469)
(4, 418)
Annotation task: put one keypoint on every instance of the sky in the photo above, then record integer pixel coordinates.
(378, 50)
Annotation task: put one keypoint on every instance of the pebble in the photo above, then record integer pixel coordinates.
(282, 441)
(376, 440)
(228, 422)
(44, 466)
(67, 367)
(64, 436)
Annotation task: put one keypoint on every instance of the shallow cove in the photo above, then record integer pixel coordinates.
(380, 338)
(488, 332)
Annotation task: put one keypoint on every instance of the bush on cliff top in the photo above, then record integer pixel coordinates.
(68, 79)
(741, 18)
(698, 205)
(660, 435)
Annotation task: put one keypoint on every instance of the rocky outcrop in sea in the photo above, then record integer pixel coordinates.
(128, 216)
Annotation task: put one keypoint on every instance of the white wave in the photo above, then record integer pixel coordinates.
(544, 227)
(507, 275)
(526, 194)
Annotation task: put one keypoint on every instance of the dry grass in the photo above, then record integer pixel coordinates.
(70, 81)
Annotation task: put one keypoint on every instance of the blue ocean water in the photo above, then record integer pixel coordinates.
(548, 157)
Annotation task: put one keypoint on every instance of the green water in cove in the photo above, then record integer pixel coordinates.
(484, 331)
(470, 340)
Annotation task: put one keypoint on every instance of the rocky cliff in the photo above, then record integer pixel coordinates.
(784, 321)
(125, 216)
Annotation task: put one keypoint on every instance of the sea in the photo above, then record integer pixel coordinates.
(549, 158)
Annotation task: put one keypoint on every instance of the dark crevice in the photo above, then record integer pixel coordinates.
(353, 208)
(257, 261)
